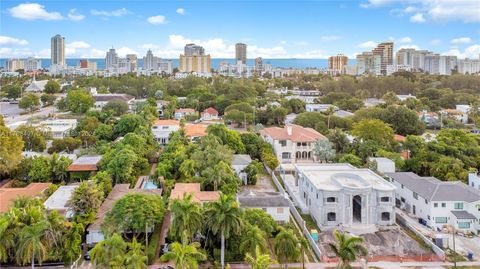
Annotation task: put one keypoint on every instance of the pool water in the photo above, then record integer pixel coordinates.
(149, 185)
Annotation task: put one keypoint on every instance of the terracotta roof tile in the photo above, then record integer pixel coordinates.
(297, 134)
(185, 110)
(166, 122)
(194, 188)
(8, 195)
(194, 130)
(211, 111)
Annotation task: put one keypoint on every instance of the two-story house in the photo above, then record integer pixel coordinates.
(209, 114)
(438, 203)
(182, 112)
(273, 203)
(162, 129)
(292, 143)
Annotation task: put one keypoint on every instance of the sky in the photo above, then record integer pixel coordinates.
(271, 29)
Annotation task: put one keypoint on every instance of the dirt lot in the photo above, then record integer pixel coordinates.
(392, 241)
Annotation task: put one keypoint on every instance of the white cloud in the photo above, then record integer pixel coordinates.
(74, 16)
(435, 42)
(114, 13)
(123, 51)
(329, 38)
(367, 45)
(301, 43)
(159, 19)
(181, 11)
(283, 42)
(44, 53)
(461, 40)
(467, 11)
(149, 46)
(33, 11)
(409, 46)
(470, 52)
(418, 17)
(12, 41)
(95, 53)
(405, 39)
(78, 45)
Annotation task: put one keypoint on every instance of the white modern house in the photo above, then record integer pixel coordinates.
(341, 194)
(162, 129)
(474, 180)
(60, 200)
(320, 107)
(182, 112)
(292, 143)
(436, 203)
(102, 99)
(239, 163)
(273, 203)
(58, 128)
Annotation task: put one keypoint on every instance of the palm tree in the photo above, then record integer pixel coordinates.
(347, 249)
(224, 217)
(253, 238)
(72, 239)
(259, 260)
(286, 244)
(6, 238)
(187, 216)
(185, 256)
(303, 245)
(32, 244)
(187, 169)
(135, 258)
(109, 252)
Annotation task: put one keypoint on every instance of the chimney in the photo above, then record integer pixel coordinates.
(289, 129)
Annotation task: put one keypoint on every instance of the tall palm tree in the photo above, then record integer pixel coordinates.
(303, 245)
(185, 256)
(6, 238)
(187, 169)
(187, 216)
(32, 244)
(286, 246)
(224, 217)
(109, 252)
(259, 260)
(253, 238)
(347, 249)
(135, 258)
(72, 238)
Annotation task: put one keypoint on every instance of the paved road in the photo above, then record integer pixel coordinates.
(13, 118)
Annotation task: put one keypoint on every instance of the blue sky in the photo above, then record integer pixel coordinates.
(271, 29)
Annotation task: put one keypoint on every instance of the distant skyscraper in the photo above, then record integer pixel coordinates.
(58, 50)
(241, 53)
(111, 60)
(337, 62)
(195, 60)
(150, 62)
(432, 63)
(259, 64)
(385, 51)
(368, 63)
(14, 65)
(32, 64)
(132, 59)
(412, 57)
(447, 64)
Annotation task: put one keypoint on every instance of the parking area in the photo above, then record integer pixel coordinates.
(9, 110)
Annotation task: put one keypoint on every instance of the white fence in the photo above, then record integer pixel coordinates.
(296, 215)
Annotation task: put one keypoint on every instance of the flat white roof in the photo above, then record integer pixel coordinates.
(334, 177)
(59, 199)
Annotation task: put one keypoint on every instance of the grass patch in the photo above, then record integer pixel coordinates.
(152, 244)
(415, 237)
(310, 222)
(454, 256)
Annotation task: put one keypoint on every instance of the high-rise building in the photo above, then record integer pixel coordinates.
(337, 62)
(368, 63)
(15, 64)
(241, 53)
(132, 58)
(447, 64)
(469, 66)
(111, 60)
(58, 50)
(32, 64)
(195, 60)
(412, 57)
(150, 62)
(432, 64)
(385, 51)
(259, 64)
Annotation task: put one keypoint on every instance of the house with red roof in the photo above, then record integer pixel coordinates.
(292, 143)
(209, 114)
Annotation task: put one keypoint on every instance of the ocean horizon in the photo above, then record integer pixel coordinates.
(276, 63)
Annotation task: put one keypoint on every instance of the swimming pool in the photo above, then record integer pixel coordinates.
(149, 185)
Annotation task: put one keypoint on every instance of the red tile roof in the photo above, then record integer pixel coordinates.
(211, 111)
(185, 110)
(194, 188)
(166, 122)
(194, 130)
(8, 195)
(399, 138)
(297, 133)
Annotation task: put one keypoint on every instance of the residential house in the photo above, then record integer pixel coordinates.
(182, 112)
(382, 165)
(199, 196)
(341, 194)
(102, 99)
(9, 195)
(209, 114)
(273, 203)
(320, 107)
(404, 97)
(60, 200)
(161, 130)
(438, 204)
(430, 118)
(239, 163)
(474, 180)
(370, 102)
(58, 128)
(292, 143)
(458, 115)
(84, 166)
(195, 131)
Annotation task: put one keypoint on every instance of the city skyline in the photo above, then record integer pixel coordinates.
(325, 29)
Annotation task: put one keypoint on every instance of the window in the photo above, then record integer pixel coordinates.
(154, 127)
(428, 217)
(280, 210)
(331, 216)
(440, 219)
(285, 155)
(402, 186)
(426, 202)
(317, 195)
(435, 204)
(385, 199)
(283, 143)
(264, 209)
(464, 225)
(415, 195)
(299, 144)
(402, 199)
(331, 200)
(444, 205)
(458, 206)
(164, 127)
(385, 216)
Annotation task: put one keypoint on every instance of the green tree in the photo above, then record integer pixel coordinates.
(252, 238)
(52, 87)
(187, 217)
(224, 218)
(79, 101)
(351, 159)
(104, 182)
(258, 260)
(7, 238)
(286, 246)
(33, 138)
(29, 102)
(121, 165)
(104, 132)
(375, 130)
(59, 168)
(71, 242)
(184, 255)
(13, 91)
(68, 144)
(32, 244)
(109, 253)
(347, 248)
(228, 137)
(85, 201)
(117, 106)
(261, 219)
(47, 99)
(127, 124)
(41, 170)
(135, 258)
(324, 150)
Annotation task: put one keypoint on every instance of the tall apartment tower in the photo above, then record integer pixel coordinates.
(385, 51)
(241, 53)
(195, 60)
(259, 64)
(132, 60)
(111, 59)
(337, 62)
(58, 50)
(150, 62)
